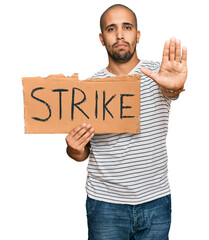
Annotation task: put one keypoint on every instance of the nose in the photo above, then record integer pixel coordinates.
(120, 34)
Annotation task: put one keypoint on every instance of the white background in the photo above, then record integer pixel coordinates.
(42, 191)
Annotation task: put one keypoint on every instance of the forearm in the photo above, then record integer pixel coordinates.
(78, 156)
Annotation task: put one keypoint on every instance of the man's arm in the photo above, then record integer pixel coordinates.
(78, 142)
(171, 94)
(173, 71)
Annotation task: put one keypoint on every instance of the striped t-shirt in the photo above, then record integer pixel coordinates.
(132, 168)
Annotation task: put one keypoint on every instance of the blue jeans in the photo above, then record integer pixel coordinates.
(147, 221)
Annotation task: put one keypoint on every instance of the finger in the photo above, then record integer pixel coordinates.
(172, 49)
(79, 134)
(84, 139)
(184, 56)
(84, 128)
(74, 131)
(150, 74)
(87, 140)
(166, 52)
(178, 51)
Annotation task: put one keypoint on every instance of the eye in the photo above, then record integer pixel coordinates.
(127, 27)
(111, 29)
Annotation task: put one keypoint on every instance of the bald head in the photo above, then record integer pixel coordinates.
(112, 7)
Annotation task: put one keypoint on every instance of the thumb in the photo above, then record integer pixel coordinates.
(150, 74)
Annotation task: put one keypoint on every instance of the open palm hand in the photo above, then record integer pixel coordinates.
(173, 71)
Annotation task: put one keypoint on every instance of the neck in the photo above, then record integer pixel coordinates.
(122, 68)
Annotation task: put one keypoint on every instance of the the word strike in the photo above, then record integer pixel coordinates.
(78, 105)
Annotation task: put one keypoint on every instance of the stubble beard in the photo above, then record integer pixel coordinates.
(121, 56)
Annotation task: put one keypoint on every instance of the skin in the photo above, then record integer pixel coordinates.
(173, 71)
(119, 28)
(78, 142)
(120, 37)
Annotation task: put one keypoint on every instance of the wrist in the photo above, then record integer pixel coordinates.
(171, 93)
(175, 91)
(78, 155)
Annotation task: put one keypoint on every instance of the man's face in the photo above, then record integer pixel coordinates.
(120, 35)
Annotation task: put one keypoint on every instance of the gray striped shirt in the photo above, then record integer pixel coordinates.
(132, 168)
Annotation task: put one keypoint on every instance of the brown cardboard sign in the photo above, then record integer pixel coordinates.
(57, 104)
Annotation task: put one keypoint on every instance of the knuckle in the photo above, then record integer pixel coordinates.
(74, 147)
(75, 130)
(67, 139)
(80, 133)
(83, 137)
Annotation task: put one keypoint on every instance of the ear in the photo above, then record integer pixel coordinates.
(101, 39)
(138, 35)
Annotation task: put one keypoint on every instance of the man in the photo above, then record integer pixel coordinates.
(127, 186)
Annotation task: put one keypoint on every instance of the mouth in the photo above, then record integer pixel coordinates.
(120, 45)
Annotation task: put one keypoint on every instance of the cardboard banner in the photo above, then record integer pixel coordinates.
(57, 104)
